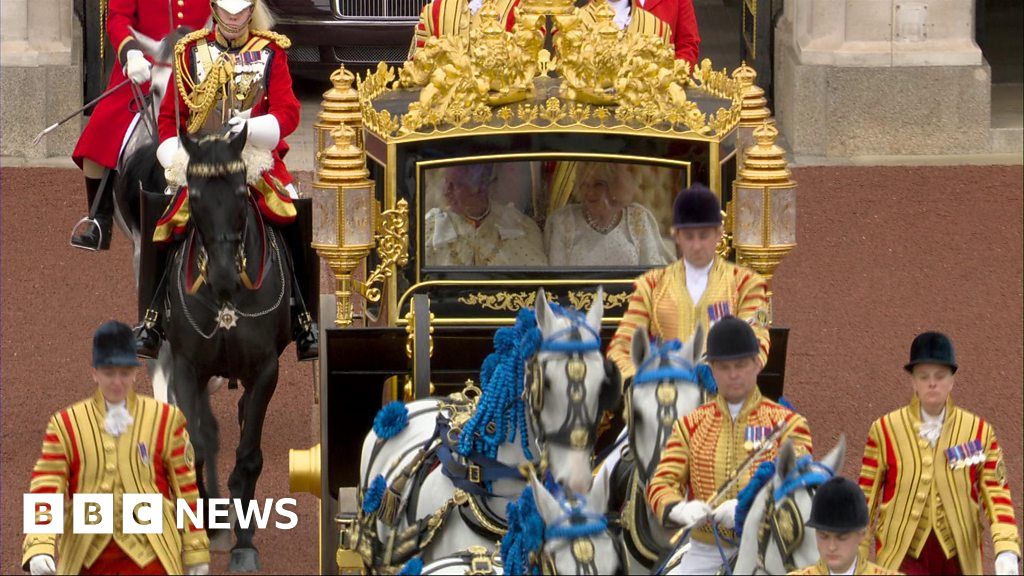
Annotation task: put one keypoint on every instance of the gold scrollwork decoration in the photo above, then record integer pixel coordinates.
(510, 301)
(583, 300)
(392, 238)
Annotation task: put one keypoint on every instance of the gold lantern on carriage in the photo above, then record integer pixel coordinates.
(764, 206)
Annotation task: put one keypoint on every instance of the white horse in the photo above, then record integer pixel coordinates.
(666, 387)
(775, 538)
(772, 514)
(548, 418)
(575, 539)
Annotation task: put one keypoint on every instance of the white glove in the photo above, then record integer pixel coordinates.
(690, 514)
(137, 67)
(1006, 564)
(166, 151)
(264, 131)
(41, 564)
(725, 514)
(198, 569)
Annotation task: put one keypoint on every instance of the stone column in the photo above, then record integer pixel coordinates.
(40, 43)
(881, 77)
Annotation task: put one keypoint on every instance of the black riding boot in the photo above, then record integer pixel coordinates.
(149, 334)
(305, 331)
(94, 237)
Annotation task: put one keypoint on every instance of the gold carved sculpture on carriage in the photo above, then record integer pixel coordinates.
(491, 82)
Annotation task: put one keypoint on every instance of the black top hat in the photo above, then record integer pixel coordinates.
(839, 506)
(731, 338)
(114, 345)
(697, 207)
(932, 348)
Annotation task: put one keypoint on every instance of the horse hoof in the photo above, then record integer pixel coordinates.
(244, 560)
(220, 540)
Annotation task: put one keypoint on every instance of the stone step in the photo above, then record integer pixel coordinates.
(1007, 140)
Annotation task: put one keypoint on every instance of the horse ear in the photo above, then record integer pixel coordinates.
(641, 346)
(547, 506)
(834, 459)
(543, 312)
(237, 141)
(596, 312)
(190, 145)
(597, 500)
(696, 344)
(785, 462)
(150, 46)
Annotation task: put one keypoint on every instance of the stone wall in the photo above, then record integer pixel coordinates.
(40, 76)
(881, 77)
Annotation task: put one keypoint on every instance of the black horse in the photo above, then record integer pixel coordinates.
(227, 315)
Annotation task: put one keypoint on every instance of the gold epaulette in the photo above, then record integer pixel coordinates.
(280, 39)
(187, 39)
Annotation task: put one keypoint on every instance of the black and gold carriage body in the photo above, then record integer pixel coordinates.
(433, 325)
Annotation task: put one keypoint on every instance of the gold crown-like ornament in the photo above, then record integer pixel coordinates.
(487, 78)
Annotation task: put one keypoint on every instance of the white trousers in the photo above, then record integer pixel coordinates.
(702, 558)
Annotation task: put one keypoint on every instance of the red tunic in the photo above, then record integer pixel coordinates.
(679, 15)
(278, 99)
(102, 137)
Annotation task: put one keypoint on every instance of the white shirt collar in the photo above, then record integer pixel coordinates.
(121, 404)
(734, 409)
(692, 270)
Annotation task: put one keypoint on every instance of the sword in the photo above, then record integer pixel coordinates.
(90, 104)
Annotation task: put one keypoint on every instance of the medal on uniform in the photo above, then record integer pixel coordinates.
(143, 453)
(717, 311)
(756, 437)
(965, 455)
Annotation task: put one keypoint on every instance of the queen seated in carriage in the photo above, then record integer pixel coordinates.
(604, 226)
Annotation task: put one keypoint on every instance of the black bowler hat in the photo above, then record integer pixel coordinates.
(731, 338)
(932, 348)
(114, 345)
(839, 506)
(696, 207)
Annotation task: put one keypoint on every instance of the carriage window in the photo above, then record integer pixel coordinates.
(565, 213)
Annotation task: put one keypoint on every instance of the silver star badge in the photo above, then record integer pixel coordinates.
(227, 318)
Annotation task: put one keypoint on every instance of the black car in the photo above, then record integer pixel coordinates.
(328, 33)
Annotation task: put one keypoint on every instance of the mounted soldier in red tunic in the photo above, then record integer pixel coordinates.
(233, 78)
(102, 140)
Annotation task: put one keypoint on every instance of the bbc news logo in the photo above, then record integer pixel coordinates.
(143, 513)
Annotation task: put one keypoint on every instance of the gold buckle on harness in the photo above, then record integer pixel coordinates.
(480, 562)
(474, 473)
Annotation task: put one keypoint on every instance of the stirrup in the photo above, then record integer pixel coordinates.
(99, 234)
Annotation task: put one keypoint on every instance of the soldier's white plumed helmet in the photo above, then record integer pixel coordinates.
(233, 6)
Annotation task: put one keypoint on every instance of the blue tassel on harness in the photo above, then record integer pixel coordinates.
(374, 494)
(525, 534)
(501, 382)
(706, 378)
(746, 496)
(390, 420)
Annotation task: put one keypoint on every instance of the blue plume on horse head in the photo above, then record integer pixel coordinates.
(501, 383)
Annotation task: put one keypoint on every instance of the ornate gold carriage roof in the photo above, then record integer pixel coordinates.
(595, 77)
